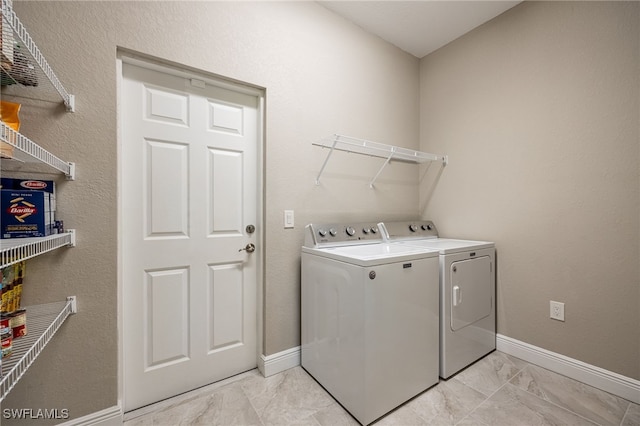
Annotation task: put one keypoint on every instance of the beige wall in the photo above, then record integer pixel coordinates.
(542, 103)
(539, 113)
(322, 75)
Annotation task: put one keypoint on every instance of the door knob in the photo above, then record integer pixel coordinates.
(250, 248)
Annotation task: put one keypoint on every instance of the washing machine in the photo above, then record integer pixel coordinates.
(369, 317)
(467, 291)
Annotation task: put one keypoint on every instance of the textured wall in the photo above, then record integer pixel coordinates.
(322, 75)
(539, 112)
(541, 102)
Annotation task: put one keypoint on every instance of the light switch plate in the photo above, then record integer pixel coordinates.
(288, 219)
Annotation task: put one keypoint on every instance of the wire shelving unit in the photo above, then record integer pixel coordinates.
(390, 153)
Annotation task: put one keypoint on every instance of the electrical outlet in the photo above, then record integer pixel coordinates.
(556, 310)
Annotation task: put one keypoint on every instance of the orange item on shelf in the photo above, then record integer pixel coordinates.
(9, 115)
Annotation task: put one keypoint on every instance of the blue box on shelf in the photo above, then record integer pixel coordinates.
(26, 214)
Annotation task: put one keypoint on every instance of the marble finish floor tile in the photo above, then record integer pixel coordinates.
(291, 397)
(589, 402)
(511, 405)
(447, 403)
(632, 416)
(490, 372)
(335, 415)
(401, 416)
(226, 406)
(495, 391)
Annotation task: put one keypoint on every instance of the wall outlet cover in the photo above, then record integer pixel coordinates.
(556, 310)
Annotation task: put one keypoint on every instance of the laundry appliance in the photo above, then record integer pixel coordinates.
(467, 291)
(369, 314)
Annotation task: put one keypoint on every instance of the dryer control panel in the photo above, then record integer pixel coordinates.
(341, 234)
(407, 230)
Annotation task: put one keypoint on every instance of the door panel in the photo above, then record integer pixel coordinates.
(225, 307)
(166, 336)
(166, 182)
(470, 291)
(165, 106)
(225, 176)
(225, 118)
(189, 185)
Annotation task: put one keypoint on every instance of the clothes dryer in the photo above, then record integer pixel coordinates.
(369, 314)
(467, 292)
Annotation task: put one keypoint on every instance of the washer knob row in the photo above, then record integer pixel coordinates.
(426, 227)
(350, 230)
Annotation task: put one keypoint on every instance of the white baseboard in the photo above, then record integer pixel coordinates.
(608, 381)
(108, 417)
(278, 362)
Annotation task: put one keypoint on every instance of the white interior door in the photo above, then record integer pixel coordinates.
(189, 190)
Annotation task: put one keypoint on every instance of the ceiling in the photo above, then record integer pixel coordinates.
(419, 27)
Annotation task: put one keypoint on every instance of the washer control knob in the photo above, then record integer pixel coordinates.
(333, 232)
(413, 228)
(374, 230)
(427, 227)
(351, 231)
(322, 233)
(365, 230)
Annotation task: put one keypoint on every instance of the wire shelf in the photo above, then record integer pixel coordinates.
(43, 321)
(29, 151)
(18, 249)
(23, 65)
(26, 55)
(390, 153)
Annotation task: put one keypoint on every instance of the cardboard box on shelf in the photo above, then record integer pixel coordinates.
(26, 214)
(31, 185)
(6, 337)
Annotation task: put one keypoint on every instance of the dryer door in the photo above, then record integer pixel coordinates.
(470, 286)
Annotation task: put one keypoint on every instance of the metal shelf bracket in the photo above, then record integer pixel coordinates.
(72, 300)
(72, 171)
(382, 168)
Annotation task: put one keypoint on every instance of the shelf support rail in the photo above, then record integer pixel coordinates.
(10, 16)
(16, 371)
(326, 160)
(393, 150)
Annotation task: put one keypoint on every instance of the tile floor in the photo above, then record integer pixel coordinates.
(497, 390)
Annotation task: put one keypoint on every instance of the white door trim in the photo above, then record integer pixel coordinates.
(149, 62)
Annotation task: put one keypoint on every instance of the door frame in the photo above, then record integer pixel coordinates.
(180, 70)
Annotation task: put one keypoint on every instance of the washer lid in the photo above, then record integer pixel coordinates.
(447, 245)
(373, 254)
